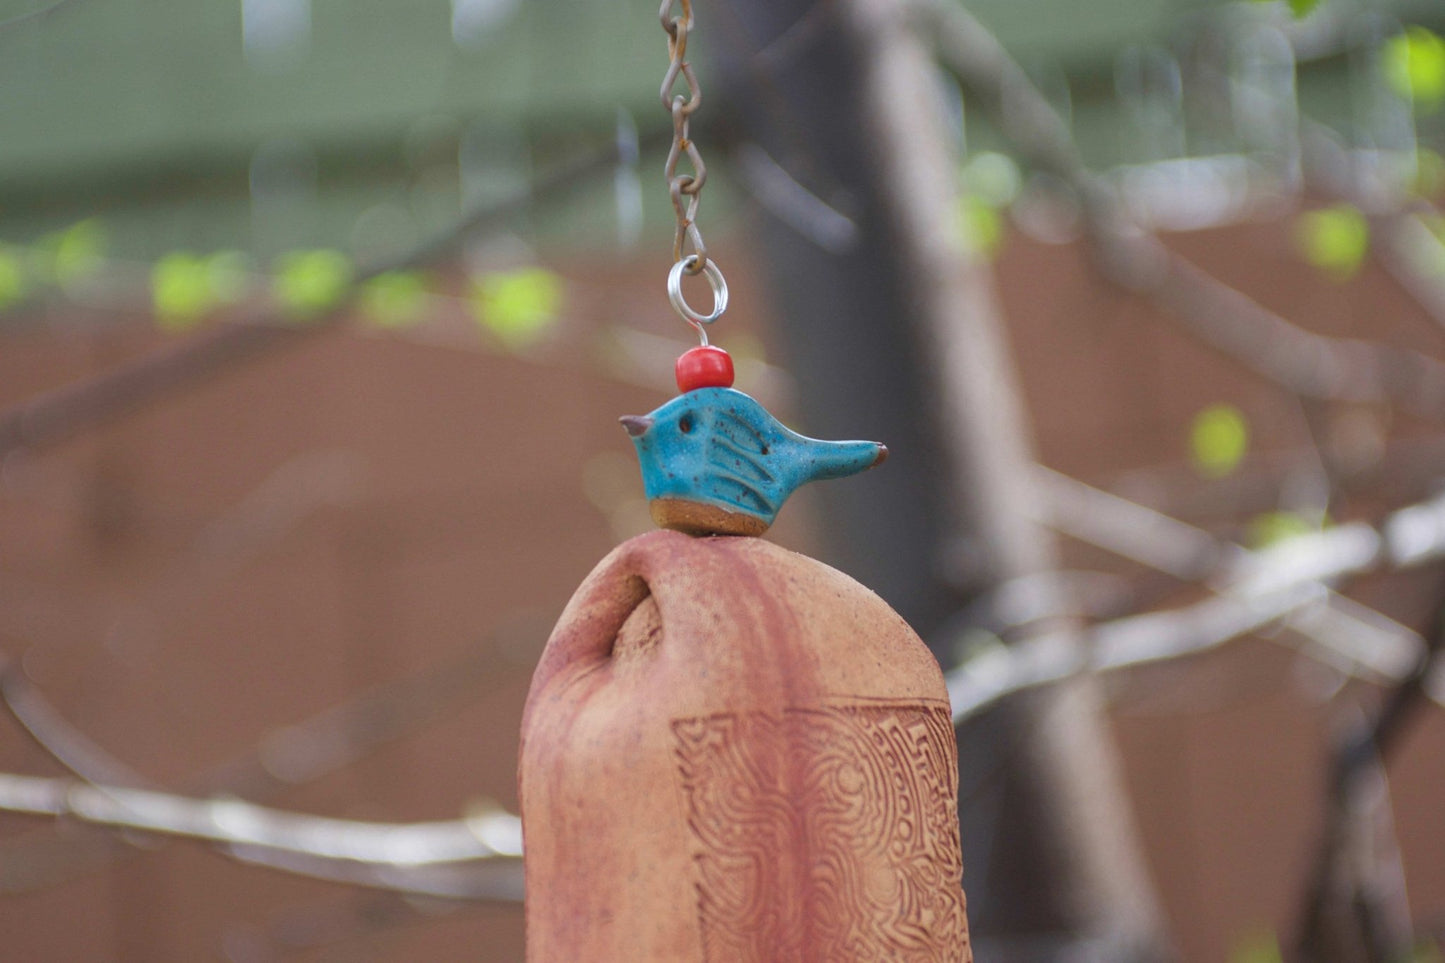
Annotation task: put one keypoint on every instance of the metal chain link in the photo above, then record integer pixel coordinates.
(688, 248)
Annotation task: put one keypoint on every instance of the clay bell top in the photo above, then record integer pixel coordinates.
(742, 618)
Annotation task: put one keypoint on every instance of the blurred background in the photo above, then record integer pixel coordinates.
(316, 318)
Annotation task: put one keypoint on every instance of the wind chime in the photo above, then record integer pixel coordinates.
(730, 752)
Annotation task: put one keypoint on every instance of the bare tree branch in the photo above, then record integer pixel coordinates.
(792, 203)
(387, 855)
(54, 416)
(1355, 906)
(1305, 363)
(1130, 530)
(498, 879)
(1286, 581)
(289, 756)
(238, 823)
(1403, 244)
(1311, 366)
(1412, 254)
(1364, 641)
(52, 733)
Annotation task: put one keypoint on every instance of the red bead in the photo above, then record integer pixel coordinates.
(704, 367)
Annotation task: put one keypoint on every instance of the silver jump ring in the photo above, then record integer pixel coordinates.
(714, 280)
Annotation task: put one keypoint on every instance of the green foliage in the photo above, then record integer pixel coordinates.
(979, 226)
(1271, 528)
(14, 285)
(1334, 239)
(180, 293)
(517, 306)
(976, 643)
(991, 182)
(309, 282)
(1218, 440)
(1300, 8)
(1257, 948)
(186, 287)
(71, 256)
(395, 299)
(1414, 64)
(993, 177)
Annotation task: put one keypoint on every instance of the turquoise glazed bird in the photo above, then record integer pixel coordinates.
(714, 461)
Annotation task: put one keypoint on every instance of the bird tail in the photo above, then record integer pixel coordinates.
(839, 459)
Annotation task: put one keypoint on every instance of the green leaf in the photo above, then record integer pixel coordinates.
(976, 643)
(1334, 239)
(1271, 528)
(14, 285)
(186, 287)
(395, 299)
(1300, 8)
(990, 183)
(980, 227)
(1414, 65)
(517, 306)
(180, 291)
(73, 255)
(993, 177)
(1257, 948)
(1218, 440)
(309, 282)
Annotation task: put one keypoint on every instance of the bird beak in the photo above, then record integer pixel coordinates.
(882, 455)
(636, 425)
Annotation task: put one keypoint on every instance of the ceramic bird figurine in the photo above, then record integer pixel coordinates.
(714, 461)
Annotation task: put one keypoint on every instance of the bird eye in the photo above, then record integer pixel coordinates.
(685, 424)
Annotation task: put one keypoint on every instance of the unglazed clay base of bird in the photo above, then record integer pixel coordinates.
(714, 461)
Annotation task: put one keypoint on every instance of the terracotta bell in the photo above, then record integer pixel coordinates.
(732, 753)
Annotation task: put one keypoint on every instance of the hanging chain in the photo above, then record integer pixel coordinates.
(689, 252)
